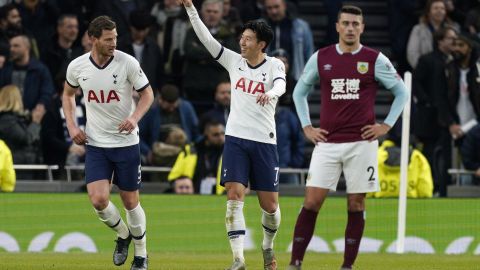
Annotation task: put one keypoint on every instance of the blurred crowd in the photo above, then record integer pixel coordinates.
(185, 128)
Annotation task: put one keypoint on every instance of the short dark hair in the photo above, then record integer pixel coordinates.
(262, 30)
(169, 93)
(349, 9)
(141, 19)
(96, 27)
(5, 10)
(62, 17)
(441, 33)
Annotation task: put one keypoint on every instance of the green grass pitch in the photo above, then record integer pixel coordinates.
(188, 232)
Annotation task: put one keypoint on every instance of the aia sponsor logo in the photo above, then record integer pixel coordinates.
(250, 87)
(102, 96)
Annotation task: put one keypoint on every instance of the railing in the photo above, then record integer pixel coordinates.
(457, 172)
(38, 167)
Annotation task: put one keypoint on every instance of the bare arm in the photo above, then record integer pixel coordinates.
(144, 103)
(69, 106)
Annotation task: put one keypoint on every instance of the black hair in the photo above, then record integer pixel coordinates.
(96, 27)
(262, 30)
(349, 9)
(170, 93)
(5, 10)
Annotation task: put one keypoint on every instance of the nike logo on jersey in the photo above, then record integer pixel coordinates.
(84, 79)
(240, 69)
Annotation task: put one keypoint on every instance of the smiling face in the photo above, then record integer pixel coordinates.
(249, 45)
(349, 28)
(106, 43)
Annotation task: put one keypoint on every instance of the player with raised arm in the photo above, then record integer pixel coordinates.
(107, 78)
(250, 153)
(349, 75)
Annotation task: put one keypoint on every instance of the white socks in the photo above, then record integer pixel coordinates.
(111, 217)
(235, 223)
(270, 223)
(137, 223)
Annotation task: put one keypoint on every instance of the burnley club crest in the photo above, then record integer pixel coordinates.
(362, 67)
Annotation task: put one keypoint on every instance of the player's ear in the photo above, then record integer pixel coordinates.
(263, 45)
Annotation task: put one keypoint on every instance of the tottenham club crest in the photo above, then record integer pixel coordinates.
(362, 67)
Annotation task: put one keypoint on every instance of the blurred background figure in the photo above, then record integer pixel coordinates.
(29, 74)
(20, 131)
(143, 47)
(421, 38)
(291, 34)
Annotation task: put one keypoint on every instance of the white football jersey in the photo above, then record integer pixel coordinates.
(108, 96)
(247, 119)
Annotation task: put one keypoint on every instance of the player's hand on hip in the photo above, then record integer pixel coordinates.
(315, 135)
(372, 132)
(186, 3)
(127, 125)
(78, 135)
(263, 99)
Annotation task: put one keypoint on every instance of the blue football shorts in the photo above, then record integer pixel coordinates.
(121, 162)
(246, 161)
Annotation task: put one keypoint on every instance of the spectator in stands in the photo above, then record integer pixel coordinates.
(290, 140)
(54, 133)
(11, 25)
(402, 17)
(459, 106)
(200, 162)
(39, 17)
(7, 173)
(202, 71)
(221, 108)
(171, 38)
(163, 10)
(287, 97)
(421, 37)
(291, 34)
(119, 11)
(28, 74)
(426, 86)
(169, 111)
(471, 151)
(21, 134)
(252, 10)
(231, 16)
(183, 185)
(143, 47)
(61, 49)
(86, 42)
(472, 22)
(81, 9)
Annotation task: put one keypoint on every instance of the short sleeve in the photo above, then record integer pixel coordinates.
(279, 71)
(136, 75)
(72, 76)
(385, 73)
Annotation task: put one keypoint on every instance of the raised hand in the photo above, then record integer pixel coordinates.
(186, 3)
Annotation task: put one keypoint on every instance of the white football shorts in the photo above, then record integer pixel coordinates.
(357, 160)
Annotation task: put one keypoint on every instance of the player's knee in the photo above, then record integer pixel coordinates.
(235, 195)
(99, 202)
(270, 207)
(312, 204)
